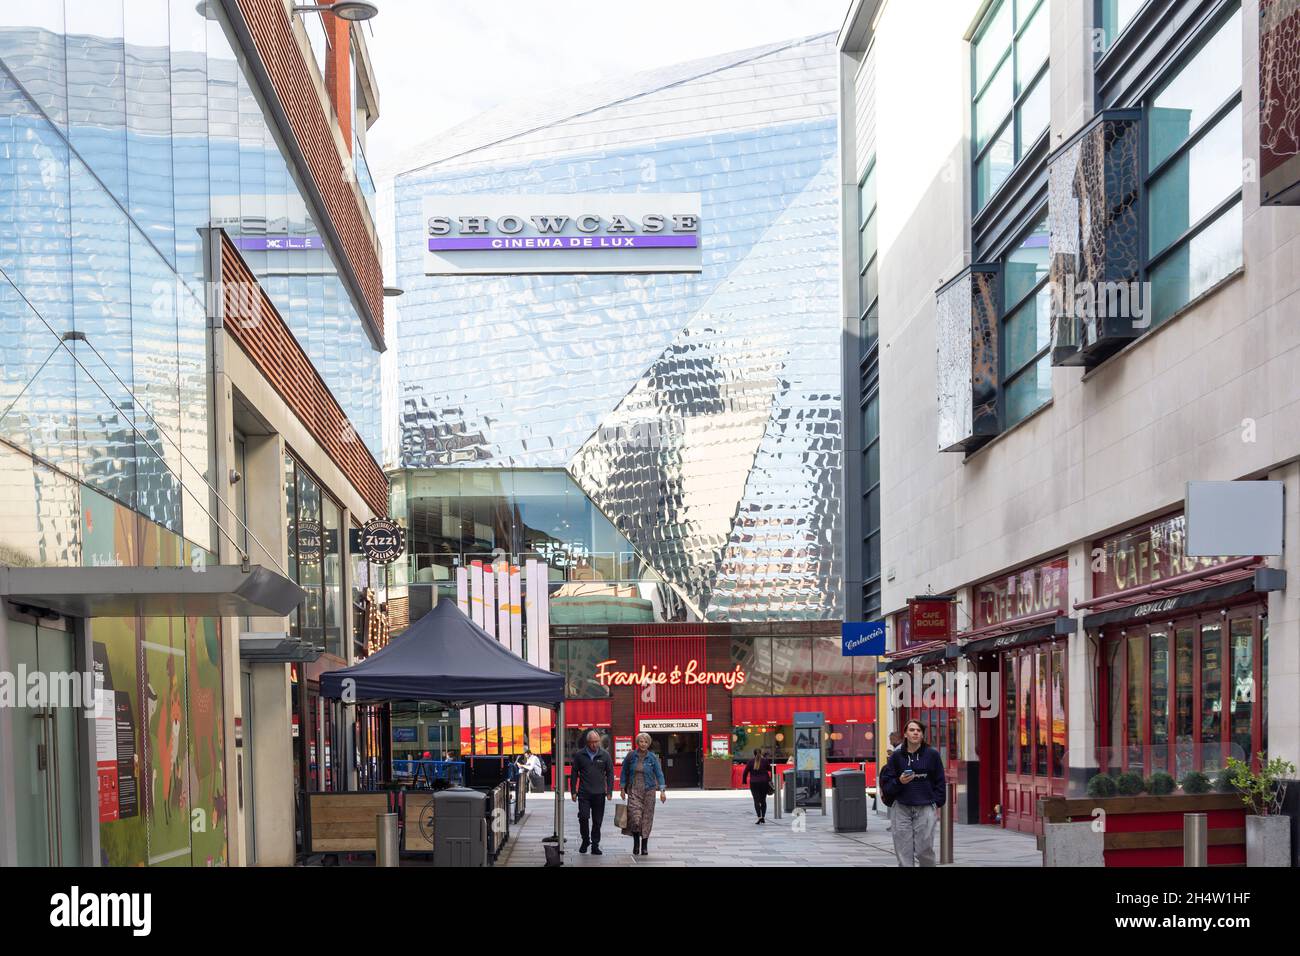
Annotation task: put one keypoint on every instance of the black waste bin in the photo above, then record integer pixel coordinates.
(787, 790)
(850, 807)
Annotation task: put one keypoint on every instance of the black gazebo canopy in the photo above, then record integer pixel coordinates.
(444, 656)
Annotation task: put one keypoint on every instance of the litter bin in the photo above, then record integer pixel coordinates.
(460, 827)
(787, 790)
(850, 788)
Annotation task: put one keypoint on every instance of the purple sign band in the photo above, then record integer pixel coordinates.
(516, 243)
(268, 243)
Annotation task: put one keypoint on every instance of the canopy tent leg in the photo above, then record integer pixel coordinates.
(559, 778)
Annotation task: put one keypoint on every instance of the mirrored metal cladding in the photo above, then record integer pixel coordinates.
(700, 413)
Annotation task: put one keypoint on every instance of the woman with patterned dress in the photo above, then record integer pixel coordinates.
(640, 777)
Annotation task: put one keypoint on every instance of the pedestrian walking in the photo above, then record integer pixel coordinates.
(758, 774)
(591, 783)
(639, 778)
(913, 781)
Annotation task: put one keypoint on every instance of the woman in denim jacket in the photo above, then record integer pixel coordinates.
(640, 777)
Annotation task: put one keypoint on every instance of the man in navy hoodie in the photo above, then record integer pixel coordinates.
(913, 776)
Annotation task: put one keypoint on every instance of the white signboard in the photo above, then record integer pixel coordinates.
(556, 234)
(672, 726)
(1234, 518)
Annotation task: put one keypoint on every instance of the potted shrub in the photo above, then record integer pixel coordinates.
(1159, 784)
(1195, 782)
(1130, 784)
(717, 771)
(1102, 785)
(1268, 830)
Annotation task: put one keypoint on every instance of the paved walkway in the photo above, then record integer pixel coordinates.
(708, 828)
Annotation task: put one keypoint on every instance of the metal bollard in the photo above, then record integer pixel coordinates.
(777, 796)
(385, 839)
(1196, 839)
(521, 795)
(946, 826)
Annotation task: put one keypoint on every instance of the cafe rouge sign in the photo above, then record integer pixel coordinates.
(1024, 593)
(1144, 555)
(577, 233)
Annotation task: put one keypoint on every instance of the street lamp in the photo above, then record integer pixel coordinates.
(354, 10)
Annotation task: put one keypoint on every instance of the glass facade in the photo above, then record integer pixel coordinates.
(1026, 326)
(1194, 172)
(455, 517)
(1009, 72)
(700, 414)
(128, 127)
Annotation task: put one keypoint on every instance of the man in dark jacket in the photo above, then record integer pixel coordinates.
(591, 783)
(913, 776)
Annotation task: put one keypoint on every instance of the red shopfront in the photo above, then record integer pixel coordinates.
(1183, 653)
(1019, 649)
(708, 689)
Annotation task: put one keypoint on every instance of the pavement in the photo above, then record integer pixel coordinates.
(711, 828)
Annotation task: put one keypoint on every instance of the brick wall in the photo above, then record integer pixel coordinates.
(279, 51)
(253, 321)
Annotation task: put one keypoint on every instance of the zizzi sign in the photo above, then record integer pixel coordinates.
(691, 674)
(588, 232)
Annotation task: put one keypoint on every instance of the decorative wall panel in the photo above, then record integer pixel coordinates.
(1279, 102)
(966, 347)
(1095, 240)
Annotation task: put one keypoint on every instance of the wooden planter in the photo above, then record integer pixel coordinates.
(1148, 831)
(717, 774)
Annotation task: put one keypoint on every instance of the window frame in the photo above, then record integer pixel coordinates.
(1007, 376)
(867, 217)
(1152, 260)
(1019, 150)
(870, 534)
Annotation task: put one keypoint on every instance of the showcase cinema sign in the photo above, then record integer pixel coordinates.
(691, 674)
(576, 233)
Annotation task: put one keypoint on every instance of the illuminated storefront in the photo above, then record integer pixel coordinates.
(712, 689)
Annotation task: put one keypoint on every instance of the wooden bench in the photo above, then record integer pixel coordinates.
(343, 822)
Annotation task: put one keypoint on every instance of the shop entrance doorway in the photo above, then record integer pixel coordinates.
(47, 754)
(681, 755)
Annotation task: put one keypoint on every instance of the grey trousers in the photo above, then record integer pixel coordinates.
(914, 834)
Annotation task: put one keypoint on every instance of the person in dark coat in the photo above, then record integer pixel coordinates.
(758, 774)
(591, 783)
(913, 777)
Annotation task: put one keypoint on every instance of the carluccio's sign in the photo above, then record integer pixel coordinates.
(583, 233)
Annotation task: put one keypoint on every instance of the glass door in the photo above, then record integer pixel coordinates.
(47, 757)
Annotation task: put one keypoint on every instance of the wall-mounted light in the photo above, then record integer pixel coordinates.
(353, 10)
(392, 291)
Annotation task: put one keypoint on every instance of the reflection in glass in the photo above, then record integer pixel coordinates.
(1211, 255)
(1184, 702)
(1135, 736)
(1058, 712)
(1211, 695)
(1196, 182)
(1242, 703)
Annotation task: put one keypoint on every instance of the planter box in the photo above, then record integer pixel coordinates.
(717, 774)
(1268, 840)
(1148, 831)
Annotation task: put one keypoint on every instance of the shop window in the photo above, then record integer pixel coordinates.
(1211, 694)
(832, 671)
(575, 738)
(1242, 704)
(1059, 741)
(314, 543)
(1184, 702)
(1010, 711)
(1194, 173)
(754, 656)
(1136, 709)
(1010, 79)
(577, 659)
(1026, 326)
(792, 667)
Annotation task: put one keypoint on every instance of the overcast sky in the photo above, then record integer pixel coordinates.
(439, 62)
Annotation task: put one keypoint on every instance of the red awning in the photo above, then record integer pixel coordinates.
(588, 713)
(781, 710)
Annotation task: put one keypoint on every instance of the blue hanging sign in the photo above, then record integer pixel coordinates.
(862, 638)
